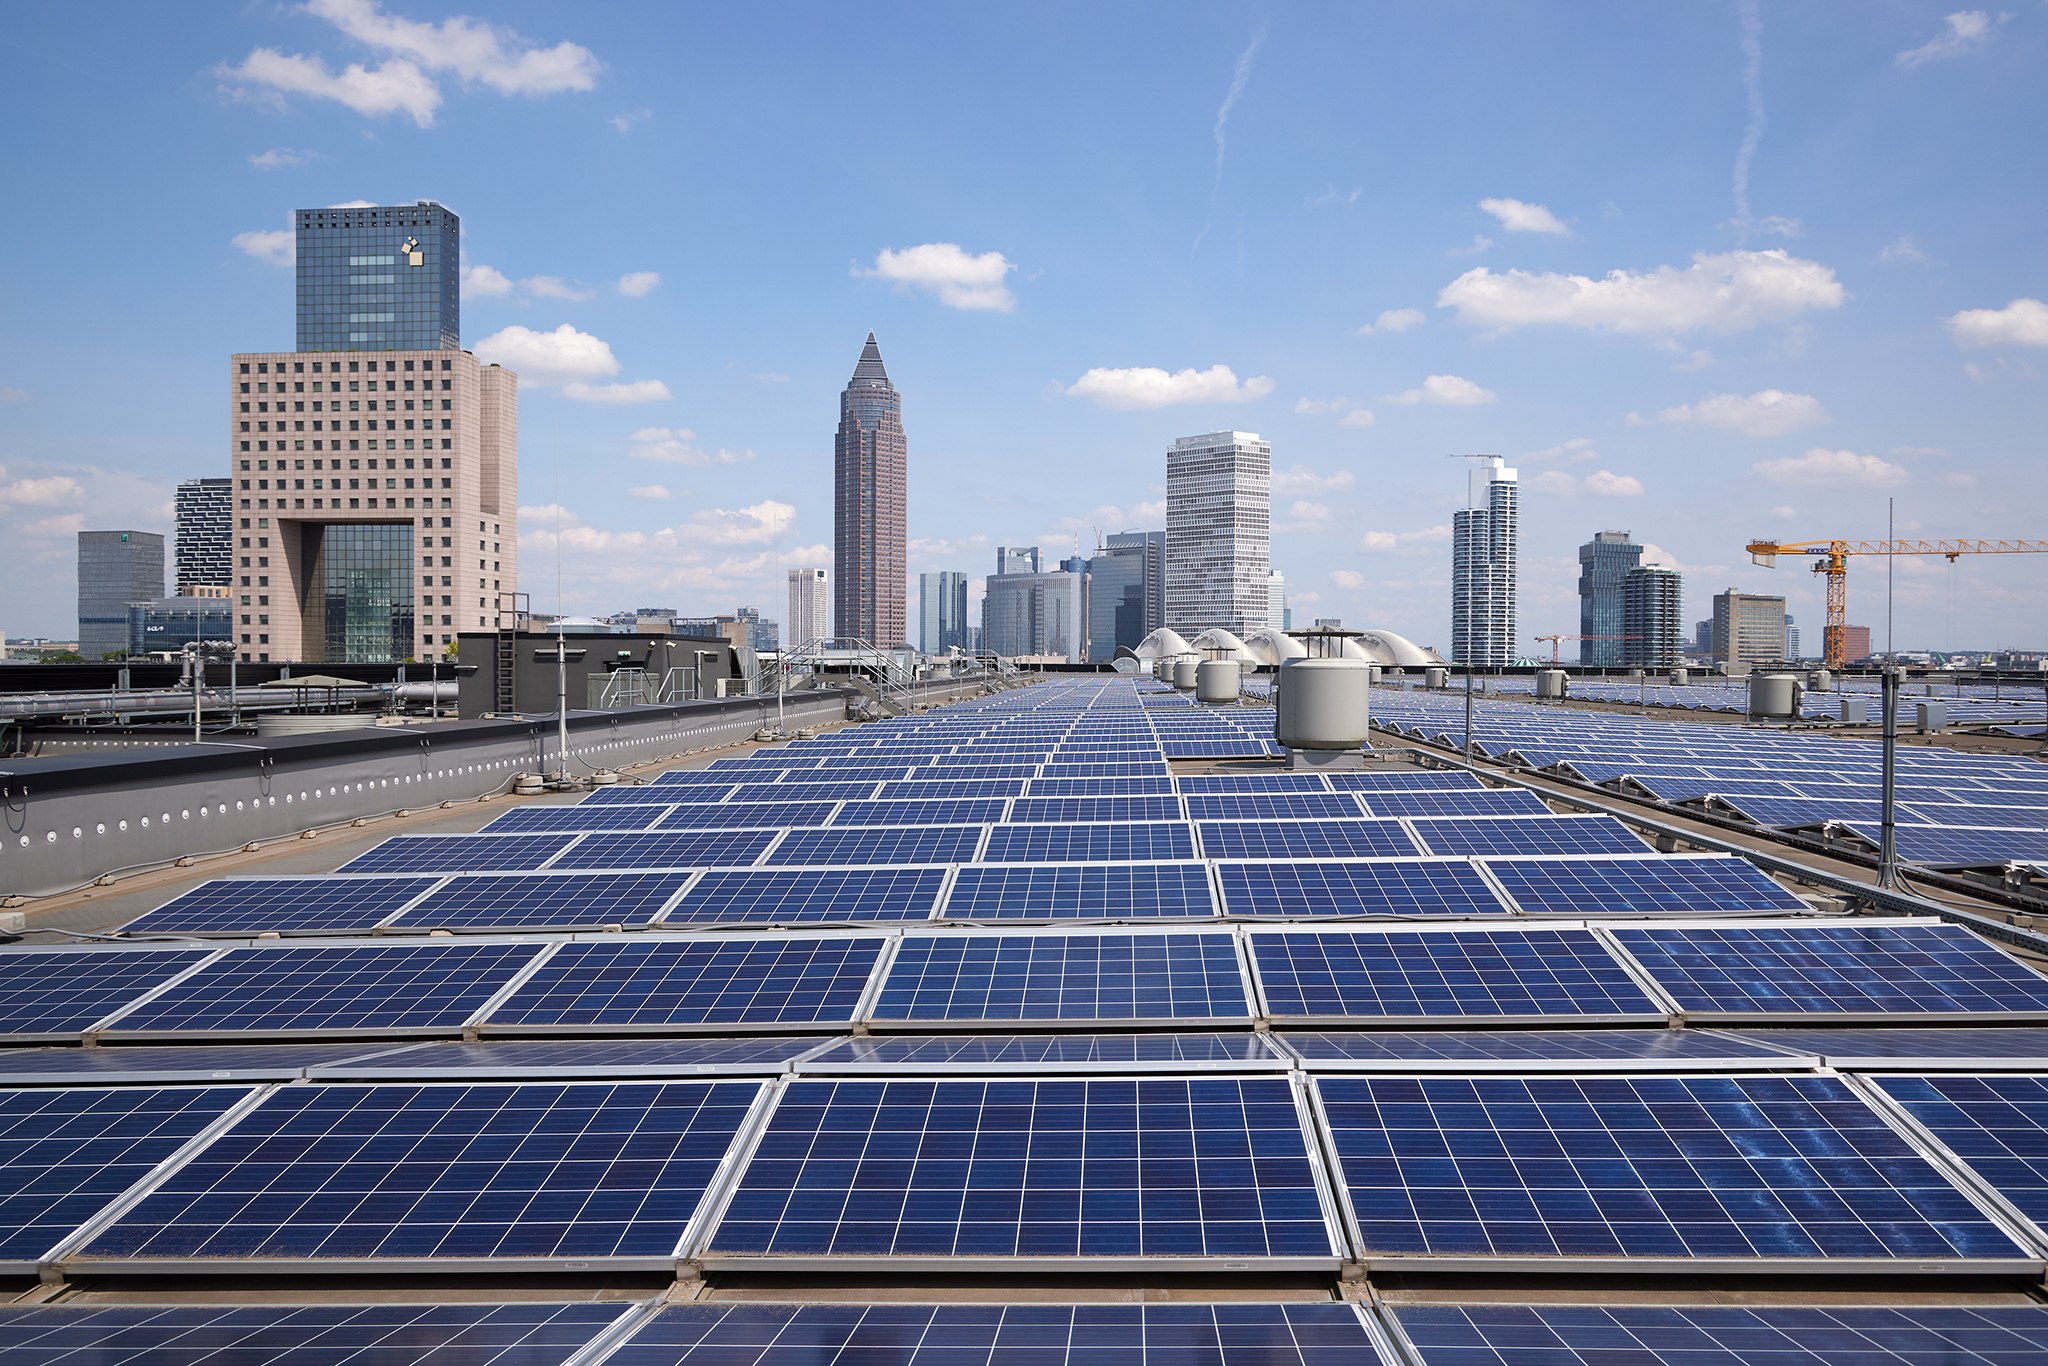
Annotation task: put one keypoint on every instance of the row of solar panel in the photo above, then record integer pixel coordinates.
(1652, 1171)
(839, 782)
(897, 883)
(963, 978)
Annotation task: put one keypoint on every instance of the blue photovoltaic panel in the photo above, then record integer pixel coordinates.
(1252, 782)
(940, 789)
(578, 1059)
(282, 1335)
(1395, 887)
(1218, 749)
(1998, 1125)
(742, 815)
(746, 896)
(1483, 835)
(1065, 977)
(961, 768)
(1004, 1335)
(1079, 891)
(1045, 1052)
(1493, 1048)
(1089, 843)
(385, 986)
(896, 844)
(1835, 969)
(1972, 1046)
(1513, 801)
(1726, 1335)
(66, 1154)
(254, 904)
(1106, 770)
(1673, 885)
(658, 792)
(794, 791)
(1934, 844)
(1093, 810)
(1405, 780)
(179, 1062)
(458, 853)
(65, 993)
(1101, 787)
(965, 812)
(691, 777)
(1272, 806)
(695, 981)
(572, 899)
(1737, 1166)
(457, 1171)
(681, 849)
(1305, 839)
(1098, 1167)
(616, 816)
(1395, 974)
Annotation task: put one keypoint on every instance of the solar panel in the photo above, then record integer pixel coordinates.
(643, 983)
(1093, 810)
(741, 815)
(1391, 887)
(177, 1062)
(977, 1053)
(1086, 1167)
(1940, 845)
(458, 853)
(1527, 835)
(1997, 1125)
(966, 977)
(51, 994)
(789, 895)
(660, 791)
(1728, 1335)
(1002, 1335)
(1272, 806)
(1252, 782)
(973, 811)
(615, 816)
(682, 849)
(1305, 839)
(1753, 1167)
(1667, 885)
(384, 987)
(893, 844)
(1843, 969)
(689, 777)
(1407, 780)
(576, 1059)
(1089, 843)
(1106, 770)
(1977, 1046)
(279, 1334)
(933, 789)
(794, 791)
(1520, 1050)
(1401, 975)
(1101, 787)
(510, 900)
(249, 905)
(602, 1170)
(67, 1154)
(1092, 891)
(1513, 801)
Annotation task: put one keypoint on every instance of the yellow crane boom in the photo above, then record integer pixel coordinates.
(1832, 559)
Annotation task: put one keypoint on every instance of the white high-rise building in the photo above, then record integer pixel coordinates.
(810, 607)
(1483, 573)
(1277, 615)
(1218, 532)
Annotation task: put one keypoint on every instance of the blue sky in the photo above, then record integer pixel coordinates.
(1701, 271)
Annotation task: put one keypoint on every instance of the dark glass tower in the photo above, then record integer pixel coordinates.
(869, 459)
(1604, 563)
(379, 279)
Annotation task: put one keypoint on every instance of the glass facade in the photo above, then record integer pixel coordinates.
(942, 612)
(1604, 562)
(1126, 588)
(1485, 549)
(379, 279)
(1218, 533)
(172, 623)
(115, 568)
(365, 578)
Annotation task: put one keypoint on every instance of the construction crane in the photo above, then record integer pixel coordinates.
(1832, 559)
(1554, 639)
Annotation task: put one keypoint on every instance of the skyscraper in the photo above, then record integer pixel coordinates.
(115, 568)
(205, 521)
(1604, 562)
(1749, 628)
(870, 478)
(1483, 574)
(1037, 615)
(809, 606)
(1017, 559)
(1218, 532)
(1277, 615)
(1126, 592)
(379, 278)
(942, 612)
(1652, 599)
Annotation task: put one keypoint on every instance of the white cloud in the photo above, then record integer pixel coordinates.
(1724, 292)
(1515, 216)
(1358, 417)
(1316, 407)
(1404, 540)
(1449, 390)
(624, 122)
(649, 491)
(1479, 244)
(1556, 483)
(272, 248)
(355, 204)
(639, 283)
(51, 491)
(1306, 516)
(484, 282)
(1606, 484)
(1346, 578)
(1967, 30)
(278, 157)
(1787, 513)
(639, 391)
(756, 525)
(556, 357)
(772, 377)
(1902, 249)
(673, 447)
(554, 287)
(2023, 322)
(1961, 481)
(1783, 227)
(1839, 469)
(12, 395)
(474, 52)
(1768, 412)
(1393, 320)
(1148, 387)
(942, 268)
(1572, 452)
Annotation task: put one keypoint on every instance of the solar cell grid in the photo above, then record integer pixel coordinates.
(1482, 835)
(1548, 1049)
(1406, 780)
(680, 849)
(1507, 974)
(179, 1062)
(1942, 845)
(580, 1059)
(1392, 887)
(794, 791)
(1102, 787)
(1123, 843)
(1997, 1125)
(1272, 806)
(1090, 891)
(510, 900)
(767, 981)
(891, 844)
(1670, 885)
(1305, 839)
(744, 815)
(458, 853)
(1513, 801)
(950, 789)
(252, 905)
(49, 995)
(1252, 782)
(743, 896)
(1052, 1052)
(1974, 1046)
(1064, 977)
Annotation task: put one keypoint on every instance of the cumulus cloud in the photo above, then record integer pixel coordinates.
(1449, 390)
(278, 157)
(1785, 512)
(639, 391)
(554, 287)
(1347, 578)
(1967, 31)
(1783, 227)
(1768, 412)
(1304, 515)
(1719, 292)
(1572, 452)
(272, 248)
(943, 268)
(413, 54)
(649, 491)
(1605, 484)
(1902, 249)
(484, 282)
(755, 525)
(1386, 541)
(672, 447)
(1479, 244)
(1393, 320)
(1834, 469)
(639, 283)
(1515, 216)
(1556, 483)
(1961, 481)
(1316, 407)
(1358, 417)
(1149, 387)
(2023, 322)
(558, 357)
(51, 491)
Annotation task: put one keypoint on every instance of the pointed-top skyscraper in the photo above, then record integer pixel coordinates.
(870, 479)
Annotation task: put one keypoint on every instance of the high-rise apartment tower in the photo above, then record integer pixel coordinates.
(870, 482)
(1604, 562)
(205, 522)
(1483, 573)
(115, 568)
(1218, 532)
(810, 606)
(1652, 599)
